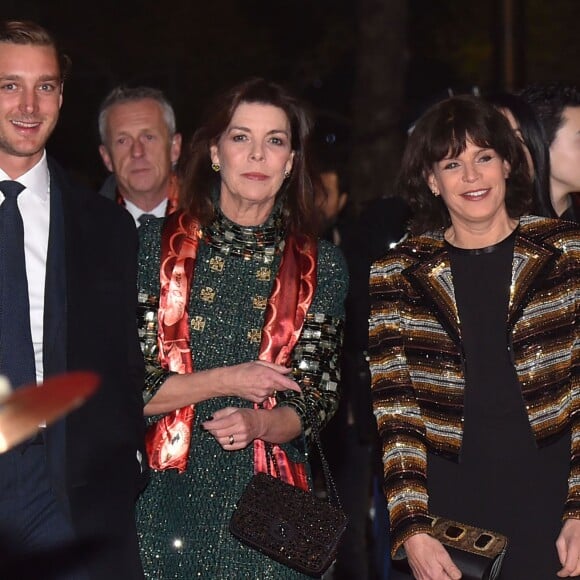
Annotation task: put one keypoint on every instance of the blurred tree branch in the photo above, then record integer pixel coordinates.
(378, 97)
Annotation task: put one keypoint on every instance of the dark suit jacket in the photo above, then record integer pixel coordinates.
(90, 324)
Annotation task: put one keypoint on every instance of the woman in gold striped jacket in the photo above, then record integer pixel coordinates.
(475, 353)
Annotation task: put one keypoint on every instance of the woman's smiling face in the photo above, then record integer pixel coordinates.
(472, 185)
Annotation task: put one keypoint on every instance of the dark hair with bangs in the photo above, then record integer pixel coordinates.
(299, 213)
(444, 131)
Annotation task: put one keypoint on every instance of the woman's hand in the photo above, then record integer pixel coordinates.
(234, 428)
(429, 560)
(254, 381)
(257, 380)
(568, 546)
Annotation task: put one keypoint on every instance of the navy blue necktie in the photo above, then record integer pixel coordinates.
(16, 350)
(144, 218)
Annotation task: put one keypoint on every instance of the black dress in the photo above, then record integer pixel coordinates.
(502, 481)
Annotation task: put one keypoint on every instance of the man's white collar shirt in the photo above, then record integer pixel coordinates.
(136, 212)
(34, 206)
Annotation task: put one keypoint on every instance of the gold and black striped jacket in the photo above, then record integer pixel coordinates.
(417, 364)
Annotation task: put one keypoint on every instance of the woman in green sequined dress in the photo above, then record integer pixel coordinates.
(240, 268)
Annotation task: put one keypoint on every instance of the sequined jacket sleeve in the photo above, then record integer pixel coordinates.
(316, 354)
(398, 414)
(572, 506)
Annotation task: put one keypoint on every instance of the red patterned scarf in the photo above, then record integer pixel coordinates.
(168, 440)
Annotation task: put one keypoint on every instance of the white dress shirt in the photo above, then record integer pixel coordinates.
(136, 212)
(34, 206)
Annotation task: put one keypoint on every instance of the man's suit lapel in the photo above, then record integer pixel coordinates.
(54, 340)
(55, 329)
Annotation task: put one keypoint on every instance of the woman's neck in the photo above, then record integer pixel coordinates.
(560, 196)
(471, 237)
(246, 214)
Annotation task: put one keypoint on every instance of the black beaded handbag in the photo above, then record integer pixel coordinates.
(290, 525)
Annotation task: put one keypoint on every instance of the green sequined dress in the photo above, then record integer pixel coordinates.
(183, 519)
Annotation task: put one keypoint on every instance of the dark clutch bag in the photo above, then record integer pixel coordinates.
(478, 553)
(290, 525)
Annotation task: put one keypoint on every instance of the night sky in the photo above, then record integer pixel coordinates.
(193, 49)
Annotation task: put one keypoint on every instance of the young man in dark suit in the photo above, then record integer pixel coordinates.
(67, 302)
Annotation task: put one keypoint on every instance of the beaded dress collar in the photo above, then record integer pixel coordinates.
(260, 243)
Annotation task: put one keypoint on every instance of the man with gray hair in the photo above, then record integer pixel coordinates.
(140, 146)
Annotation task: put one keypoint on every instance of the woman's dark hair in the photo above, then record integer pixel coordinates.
(535, 140)
(299, 211)
(548, 100)
(444, 130)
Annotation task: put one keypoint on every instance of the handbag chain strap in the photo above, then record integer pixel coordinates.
(331, 490)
